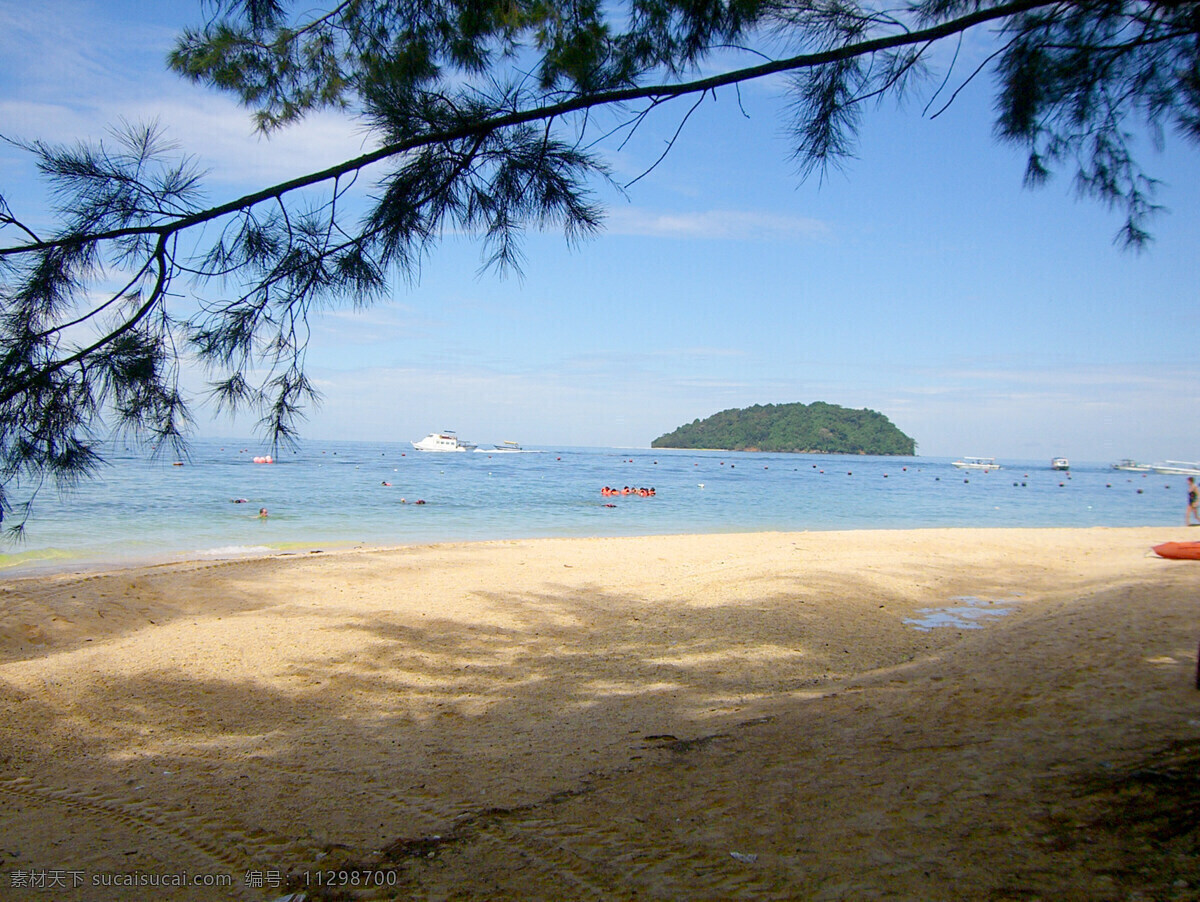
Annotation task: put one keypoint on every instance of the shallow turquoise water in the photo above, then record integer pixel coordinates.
(330, 494)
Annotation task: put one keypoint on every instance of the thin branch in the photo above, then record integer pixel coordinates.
(670, 143)
(946, 79)
(970, 78)
(6, 218)
(892, 80)
(118, 295)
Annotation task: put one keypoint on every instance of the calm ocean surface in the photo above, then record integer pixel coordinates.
(331, 495)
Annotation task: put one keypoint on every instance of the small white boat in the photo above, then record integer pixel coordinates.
(1060, 463)
(1178, 468)
(1132, 466)
(506, 448)
(978, 463)
(442, 441)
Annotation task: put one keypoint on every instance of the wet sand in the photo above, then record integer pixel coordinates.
(758, 716)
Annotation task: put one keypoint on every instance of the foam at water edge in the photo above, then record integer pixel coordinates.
(236, 551)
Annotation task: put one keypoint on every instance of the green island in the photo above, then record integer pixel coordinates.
(816, 428)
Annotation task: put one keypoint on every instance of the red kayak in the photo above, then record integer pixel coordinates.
(1180, 551)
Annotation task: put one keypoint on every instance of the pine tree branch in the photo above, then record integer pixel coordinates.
(160, 255)
(484, 127)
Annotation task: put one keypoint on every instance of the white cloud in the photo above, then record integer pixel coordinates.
(743, 225)
(707, 353)
(73, 75)
(223, 136)
(1081, 411)
(213, 129)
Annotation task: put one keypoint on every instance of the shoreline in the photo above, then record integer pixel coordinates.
(299, 548)
(612, 716)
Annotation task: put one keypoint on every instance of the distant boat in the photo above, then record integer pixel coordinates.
(978, 463)
(506, 448)
(1060, 463)
(442, 441)
(1132, 466)
(1178, 468)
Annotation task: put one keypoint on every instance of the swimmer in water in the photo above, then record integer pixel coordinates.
(262, 513)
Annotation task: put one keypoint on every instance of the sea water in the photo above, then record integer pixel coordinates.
(329, 495)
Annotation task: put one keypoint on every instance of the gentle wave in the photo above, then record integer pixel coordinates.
(235, 551)
(35, 556)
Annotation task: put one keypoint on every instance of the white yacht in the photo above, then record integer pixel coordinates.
(442, 441)
(1130, 465)
(506, 448)
(1060, 463)
(978, 463)
(1178, 468)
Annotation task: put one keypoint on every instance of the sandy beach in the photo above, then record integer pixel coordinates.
(754, 716)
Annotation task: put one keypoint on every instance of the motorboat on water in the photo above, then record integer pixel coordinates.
(1132, 466)
(1060, 463)
(978, 463)
(1178, 468)
(506, 448)
(443, 441)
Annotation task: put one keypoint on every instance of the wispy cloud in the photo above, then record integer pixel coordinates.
(1065, 379)
(706, 353)
(742, 225)
(78, 76)
(48, 45)
(233, 153)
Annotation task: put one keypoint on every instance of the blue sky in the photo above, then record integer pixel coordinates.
(921, 280)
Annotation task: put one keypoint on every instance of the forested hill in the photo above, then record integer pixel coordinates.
(814, 428)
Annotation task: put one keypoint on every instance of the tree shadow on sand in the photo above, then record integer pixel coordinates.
(419, 732)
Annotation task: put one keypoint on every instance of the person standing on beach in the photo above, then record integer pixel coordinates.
(1193, 508)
